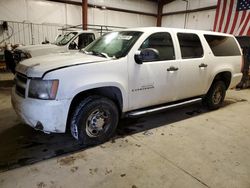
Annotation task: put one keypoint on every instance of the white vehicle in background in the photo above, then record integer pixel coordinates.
(122, 74)
(70, 41)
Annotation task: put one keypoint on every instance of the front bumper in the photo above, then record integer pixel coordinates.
(45, 115)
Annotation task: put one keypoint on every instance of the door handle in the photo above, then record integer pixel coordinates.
(202, 65)
(172, 68)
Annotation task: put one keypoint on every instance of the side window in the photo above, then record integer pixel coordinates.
(82, 41)
(74, 44)
(161, 42)
(190, 45)
(222, 45)
(85, 39)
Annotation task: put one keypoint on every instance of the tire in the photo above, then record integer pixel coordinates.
(215, 95)
(94, 120)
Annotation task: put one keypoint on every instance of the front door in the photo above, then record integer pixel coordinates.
(155, 82)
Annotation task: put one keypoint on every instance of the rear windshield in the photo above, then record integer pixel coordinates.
(222, 45)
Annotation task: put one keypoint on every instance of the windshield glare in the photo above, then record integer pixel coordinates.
(115, 44)
(64, 39)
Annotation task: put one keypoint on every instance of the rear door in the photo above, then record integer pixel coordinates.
(193, 66)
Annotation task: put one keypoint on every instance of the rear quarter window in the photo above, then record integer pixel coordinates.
(222, 45)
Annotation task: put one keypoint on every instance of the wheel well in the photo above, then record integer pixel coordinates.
(113, 93)
(225, 77)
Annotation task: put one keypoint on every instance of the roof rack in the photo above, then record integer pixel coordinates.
(102, 29)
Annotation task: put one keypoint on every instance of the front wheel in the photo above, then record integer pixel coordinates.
(94, 121)
(215, 96)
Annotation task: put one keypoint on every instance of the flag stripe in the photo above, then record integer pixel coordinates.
(236, 16)
(237, 25)
(222, 14)
(225, 16)
(247, 29)
(244, 24)
(243, 16)
(233, 15)
(217, 14)
(242, 21)
(238, 28)
(229, 16)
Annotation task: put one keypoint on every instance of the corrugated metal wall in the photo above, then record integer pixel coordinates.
(40, 11)
(28, 33)
(46, 17)
(194, 20)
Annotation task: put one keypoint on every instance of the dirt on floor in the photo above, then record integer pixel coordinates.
(183, 147)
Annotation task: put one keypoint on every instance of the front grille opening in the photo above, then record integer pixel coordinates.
(21, 78)
(20, 91)
(21, 83)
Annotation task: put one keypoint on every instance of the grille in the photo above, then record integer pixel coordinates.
(21, 82)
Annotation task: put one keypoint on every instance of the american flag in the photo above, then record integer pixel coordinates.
(233, 16)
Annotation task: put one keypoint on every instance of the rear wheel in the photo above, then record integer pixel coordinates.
(215, 96)
(94, 121)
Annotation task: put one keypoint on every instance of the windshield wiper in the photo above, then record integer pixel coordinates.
(83, 51)
(100, 54)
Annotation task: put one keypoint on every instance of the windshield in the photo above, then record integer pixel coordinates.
(64, 39)
(115, 44)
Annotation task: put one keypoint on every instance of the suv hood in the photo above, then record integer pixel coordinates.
(41, 49)
(36, 67)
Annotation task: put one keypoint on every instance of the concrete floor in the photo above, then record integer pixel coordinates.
(4, 76)
(6, 79)
(185, 147)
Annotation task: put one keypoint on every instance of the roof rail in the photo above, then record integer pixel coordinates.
(102, 29)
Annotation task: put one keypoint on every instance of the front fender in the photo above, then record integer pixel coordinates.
(100, 85)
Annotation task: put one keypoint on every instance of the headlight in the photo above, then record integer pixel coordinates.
(43, 89)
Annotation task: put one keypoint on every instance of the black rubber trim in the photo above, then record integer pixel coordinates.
(70, 66)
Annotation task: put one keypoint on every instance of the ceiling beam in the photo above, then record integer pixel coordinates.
(106, 7)
(67, 2)
(167, 1)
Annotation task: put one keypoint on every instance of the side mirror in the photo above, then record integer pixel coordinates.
(146, 55)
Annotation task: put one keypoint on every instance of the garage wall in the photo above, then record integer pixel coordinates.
(114, 18)
(136, 5)
(195, 20)
(28, 33)
(34, 20)
(40, 11)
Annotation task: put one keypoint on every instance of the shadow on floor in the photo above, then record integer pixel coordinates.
(22, 145)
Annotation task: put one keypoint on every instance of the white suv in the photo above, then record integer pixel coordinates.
(68, 42)
(125, 73)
